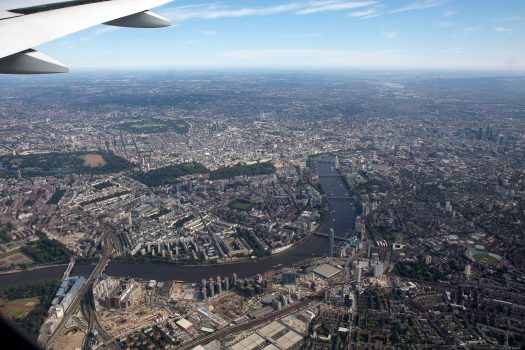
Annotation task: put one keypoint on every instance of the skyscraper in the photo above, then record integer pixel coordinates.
(468, 270)
(289, 276)
(358, 274)
(428, 259)
(378, 269)
(212, 287)
(226, 283)
(204, 293)
(357, 226)
(331, 236)
(219, 284)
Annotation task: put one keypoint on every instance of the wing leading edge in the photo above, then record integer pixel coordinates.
(19, 33)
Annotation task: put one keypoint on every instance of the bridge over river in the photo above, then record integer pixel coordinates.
(341, 218)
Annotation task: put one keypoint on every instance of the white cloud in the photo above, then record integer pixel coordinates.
(390, 34)
(421, 5)
(365, 13)
(503, 30)
(448, 13)
(100, 31)
(333, 6)
(214, 11)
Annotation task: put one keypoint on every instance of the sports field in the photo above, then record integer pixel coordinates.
(484, 258)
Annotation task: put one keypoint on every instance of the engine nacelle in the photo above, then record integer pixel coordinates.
(146, 19)
(31, 62)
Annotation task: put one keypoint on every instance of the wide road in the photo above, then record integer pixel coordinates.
(250, 324)
(102, 263)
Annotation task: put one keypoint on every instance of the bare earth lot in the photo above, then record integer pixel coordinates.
(94, 160)
(17, 258)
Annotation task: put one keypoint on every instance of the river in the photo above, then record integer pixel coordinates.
(341, 218)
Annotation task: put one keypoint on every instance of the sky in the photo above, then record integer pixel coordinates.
(474, 35)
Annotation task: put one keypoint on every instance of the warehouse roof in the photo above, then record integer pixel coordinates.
(326, 271)
(184, 323)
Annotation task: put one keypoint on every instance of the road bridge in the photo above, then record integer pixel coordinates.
(70, 267)
(320, 234)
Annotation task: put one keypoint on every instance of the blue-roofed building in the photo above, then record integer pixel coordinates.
(67, 291)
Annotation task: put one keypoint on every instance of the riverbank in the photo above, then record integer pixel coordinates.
(341, 218)
(31, 268)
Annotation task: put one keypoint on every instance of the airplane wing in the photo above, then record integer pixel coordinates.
(25, 24)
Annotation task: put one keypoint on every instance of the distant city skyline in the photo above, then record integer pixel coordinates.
(400, 34)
